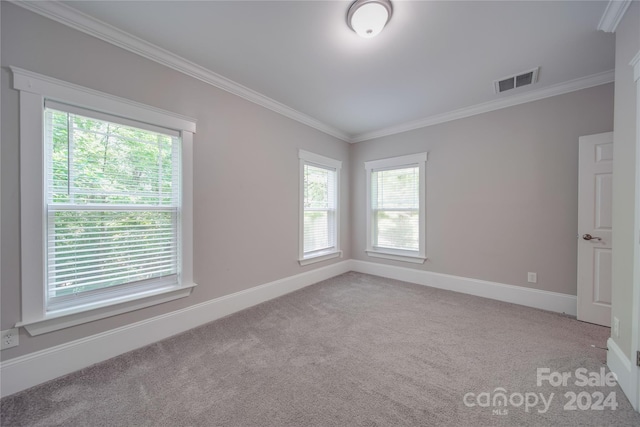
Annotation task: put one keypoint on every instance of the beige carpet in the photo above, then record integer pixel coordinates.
(353, 350)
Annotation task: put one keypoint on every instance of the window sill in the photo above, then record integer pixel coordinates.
(415, 259)
(61, 319)
(321, 257)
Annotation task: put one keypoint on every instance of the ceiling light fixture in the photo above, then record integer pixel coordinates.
(368, 17)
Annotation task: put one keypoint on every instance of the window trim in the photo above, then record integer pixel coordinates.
(34, 89)
(307, 157)
(411, 160)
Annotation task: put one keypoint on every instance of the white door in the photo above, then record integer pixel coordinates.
(595, 188)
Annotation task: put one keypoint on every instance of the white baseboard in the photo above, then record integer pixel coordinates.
(552, 301)
(32, 369)
(620, 365)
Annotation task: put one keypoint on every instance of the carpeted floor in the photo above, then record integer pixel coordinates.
(353, 350)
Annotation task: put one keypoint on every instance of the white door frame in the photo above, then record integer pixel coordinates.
(635, 314)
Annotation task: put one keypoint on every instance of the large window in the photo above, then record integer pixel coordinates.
(319, 219)
(112, 196)
(106, 204)
(396, 208)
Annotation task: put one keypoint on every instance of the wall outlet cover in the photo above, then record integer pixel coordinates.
(9, 338)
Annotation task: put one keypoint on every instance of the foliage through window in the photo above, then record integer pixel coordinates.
(113, 199)
(319, 196)
(396, 208)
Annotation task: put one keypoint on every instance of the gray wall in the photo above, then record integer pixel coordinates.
(245, 168)
(624, 175)
(502, 189)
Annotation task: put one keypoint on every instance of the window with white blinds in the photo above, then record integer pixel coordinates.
(319, 207)
(106, 205)
(396, 200)
(112, 206)
(396, 208)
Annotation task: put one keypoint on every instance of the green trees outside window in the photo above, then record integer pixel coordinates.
(113, 195)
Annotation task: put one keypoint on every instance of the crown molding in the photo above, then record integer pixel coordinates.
(532, 95)
(613, 15)
(75, 19)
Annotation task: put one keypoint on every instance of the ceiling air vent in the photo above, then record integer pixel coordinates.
(519, 80)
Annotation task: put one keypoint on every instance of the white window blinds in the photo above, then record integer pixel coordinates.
(319, 230)
(113, 205)
(396, 208)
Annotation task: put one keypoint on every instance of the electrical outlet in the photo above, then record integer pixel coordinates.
(532, 277)
(616, 327)
(10, 338)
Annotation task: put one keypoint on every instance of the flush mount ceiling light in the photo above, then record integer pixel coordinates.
(368, 17)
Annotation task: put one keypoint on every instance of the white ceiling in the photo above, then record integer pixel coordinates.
(432, 58)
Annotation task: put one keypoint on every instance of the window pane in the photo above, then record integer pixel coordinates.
(319, 208)
(316, 227)
(319, 187)
(396, 202)
(396, 188)
(135, 174)
(397, 229)
(91, 250)
(98, 162)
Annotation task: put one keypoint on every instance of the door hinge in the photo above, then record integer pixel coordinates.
(638, 358)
